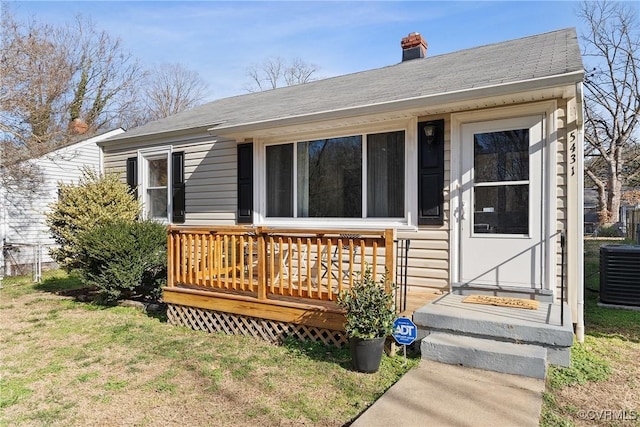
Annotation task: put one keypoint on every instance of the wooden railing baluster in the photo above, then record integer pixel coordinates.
(290, 266)
(184, 257)
(389, 236)
(190, 258)
(250, 249)
(203, 259)
(234, 262)
(241, 246)
(375, 261)
(210, 260)
(279, 272)
(351, 262)
(309, 266)
(363, 263)
(218, 260)
(262, 264)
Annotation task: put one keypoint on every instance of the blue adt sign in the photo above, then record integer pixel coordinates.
(404, 331)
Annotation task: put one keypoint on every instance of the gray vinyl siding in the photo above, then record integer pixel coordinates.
(210, 176)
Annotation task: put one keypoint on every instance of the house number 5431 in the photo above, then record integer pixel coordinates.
(572, 149)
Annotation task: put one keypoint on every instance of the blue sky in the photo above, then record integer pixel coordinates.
(220, 39)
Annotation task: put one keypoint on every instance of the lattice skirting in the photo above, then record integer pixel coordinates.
(235, 324)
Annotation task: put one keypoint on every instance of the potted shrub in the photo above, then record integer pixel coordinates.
(370, 313)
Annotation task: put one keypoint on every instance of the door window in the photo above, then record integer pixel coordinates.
(501, 182)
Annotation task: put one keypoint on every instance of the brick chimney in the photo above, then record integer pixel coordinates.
(413, 47)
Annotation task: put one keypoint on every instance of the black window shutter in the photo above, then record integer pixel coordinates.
(431, 172)
(178, 187)
(132, 175)
(245, 183)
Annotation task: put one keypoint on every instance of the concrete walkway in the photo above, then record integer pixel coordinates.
(437, 394)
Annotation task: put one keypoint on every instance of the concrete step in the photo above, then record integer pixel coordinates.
(499, 356)
(539, 327)
(559, 356)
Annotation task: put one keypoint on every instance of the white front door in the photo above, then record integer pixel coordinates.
(501, 212)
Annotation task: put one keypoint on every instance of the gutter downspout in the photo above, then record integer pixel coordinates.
(580, 219)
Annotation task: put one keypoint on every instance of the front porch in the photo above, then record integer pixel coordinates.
(275, 283)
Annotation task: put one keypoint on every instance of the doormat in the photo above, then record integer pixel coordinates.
(528, 304)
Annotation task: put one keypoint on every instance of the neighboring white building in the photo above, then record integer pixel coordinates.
(23, 230)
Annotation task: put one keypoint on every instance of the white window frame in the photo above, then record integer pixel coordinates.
(143, 171)
(410, 185)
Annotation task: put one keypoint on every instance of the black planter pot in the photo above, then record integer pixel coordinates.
(366, 354)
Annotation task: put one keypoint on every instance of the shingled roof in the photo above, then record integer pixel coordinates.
(530, 58)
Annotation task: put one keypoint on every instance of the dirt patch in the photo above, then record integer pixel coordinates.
(91, 294)
(615, 401)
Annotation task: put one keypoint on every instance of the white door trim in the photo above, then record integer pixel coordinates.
(549, 224)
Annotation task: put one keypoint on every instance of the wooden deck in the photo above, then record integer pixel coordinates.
(273, 282)
(416, 298)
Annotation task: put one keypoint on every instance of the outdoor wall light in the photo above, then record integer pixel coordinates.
(430, 133)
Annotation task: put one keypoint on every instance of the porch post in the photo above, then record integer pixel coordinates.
(390, 272)
(171, 262)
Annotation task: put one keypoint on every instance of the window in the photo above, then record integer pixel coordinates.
(157, 200)
(501, 182)
(359, 176)
(330, 178)
(385, 175)
(280, 180)
(163, 185)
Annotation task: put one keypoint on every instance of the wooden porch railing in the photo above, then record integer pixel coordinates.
(266, 262)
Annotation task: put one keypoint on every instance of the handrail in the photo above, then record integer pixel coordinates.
(266, 262)
(402, 254)
(562, 245)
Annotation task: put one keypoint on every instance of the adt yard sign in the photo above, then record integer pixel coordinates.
(404, 331)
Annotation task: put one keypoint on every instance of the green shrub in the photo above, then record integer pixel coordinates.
(370, 311)
(95, 200)
(124, 258)
(608, 231)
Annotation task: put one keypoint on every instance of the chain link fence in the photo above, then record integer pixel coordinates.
(24, 259)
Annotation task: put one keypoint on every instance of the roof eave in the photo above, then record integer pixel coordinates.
(124, 139)
(501, 89)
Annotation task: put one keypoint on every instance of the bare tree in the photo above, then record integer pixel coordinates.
(57, 82)
(106, 79)
(36, 71)
(170, 89)
(53, 77)
(275, 72)
(612, 100)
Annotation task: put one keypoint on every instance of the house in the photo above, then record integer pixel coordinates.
(474, 156)
(23, 229)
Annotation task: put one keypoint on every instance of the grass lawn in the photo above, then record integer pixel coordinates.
(602, 386)
(67, 363)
